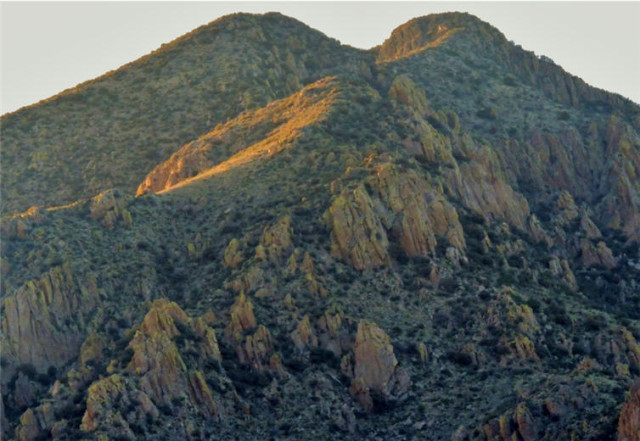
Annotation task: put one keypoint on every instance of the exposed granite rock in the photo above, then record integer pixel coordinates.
(519, 347)
(158, 362)
(598, 254)
(357, 235)
(250, 279)
(259, 133)
(375, 367)
(304, 335)
(257, 349)
(331, 335)
(561, 269)
(435, 147)
(91, 349)
(629, 422)
(508, 427)
(100, 401)
(276, 240)
(589, 228)
(568, 210)
(415, 211)
(241, 319)
(526, 425)
(233, 254)
(538, 232)
(620, 208)
(35, 327)
(482, 189)
(35, 423)
(110, 206)
(201, 395)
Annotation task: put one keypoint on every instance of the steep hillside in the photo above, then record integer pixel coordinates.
(436, 239)
(108, 131)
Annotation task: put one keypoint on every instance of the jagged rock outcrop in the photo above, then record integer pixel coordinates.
(589, 227)
(620, 208)
(233, 254)
(375, 368)
(303, 335)
(357, 235)
(562, 269)
(597, 254)
(110, 206)
(629, 422)
(417, 213)
(276, 240)
(163, 374)
(241, 319)
(486, 193)
(36, 319)
(517, 426)
(100, 401)
(257, 351)
(331, 335)
(35, 423)
(418, 35)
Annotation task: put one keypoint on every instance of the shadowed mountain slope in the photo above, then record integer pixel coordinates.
(435, 239)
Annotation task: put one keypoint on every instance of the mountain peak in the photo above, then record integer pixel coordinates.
(429, 31)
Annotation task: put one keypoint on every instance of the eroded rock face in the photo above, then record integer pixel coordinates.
(233, 254)
(35, 326)
(256, 349)
(375, 366)
(620, 208)
(241, 319)
(629, 422)
(276, 240)
(417, 212)
(110, 206)
(482, 190)
(304, 335)
(519, 425)
(101, 396)
(399, 201)
(357, 235)
(597, 254)
(158, 361)
(35, 423)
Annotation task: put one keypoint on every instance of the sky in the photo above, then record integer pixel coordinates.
(48, 47)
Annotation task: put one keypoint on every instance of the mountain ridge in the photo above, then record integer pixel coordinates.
(442, 246)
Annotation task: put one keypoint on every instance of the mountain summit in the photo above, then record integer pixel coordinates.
(255, 232)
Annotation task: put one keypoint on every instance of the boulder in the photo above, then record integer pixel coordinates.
(375, 368)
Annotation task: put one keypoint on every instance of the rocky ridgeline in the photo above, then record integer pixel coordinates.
(352, 258)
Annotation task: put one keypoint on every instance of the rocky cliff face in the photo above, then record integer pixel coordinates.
(437, 238)
(44, 321)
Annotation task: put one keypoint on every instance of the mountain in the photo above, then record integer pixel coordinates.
(258, 233)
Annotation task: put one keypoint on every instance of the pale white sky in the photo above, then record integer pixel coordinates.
(49, 46)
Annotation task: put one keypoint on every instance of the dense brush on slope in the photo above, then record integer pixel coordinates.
(434, 239)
